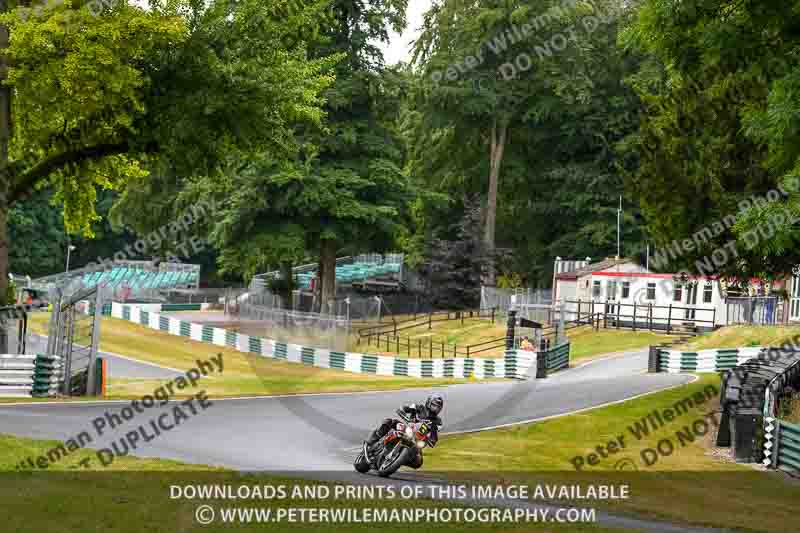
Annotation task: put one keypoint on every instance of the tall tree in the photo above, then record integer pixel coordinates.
(719, 128)
(343, 190)
(532, 98)
(101, 98)
(457, 261)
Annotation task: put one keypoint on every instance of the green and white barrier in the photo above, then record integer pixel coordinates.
(715, 360)
(47, 376)
(557, 358)
(87, 307)
(516, 364)
(782, 446)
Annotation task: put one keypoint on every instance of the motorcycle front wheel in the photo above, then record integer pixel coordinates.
(392, 461)
(361, 464)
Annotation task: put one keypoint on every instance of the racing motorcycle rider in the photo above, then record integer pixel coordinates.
(415, 412)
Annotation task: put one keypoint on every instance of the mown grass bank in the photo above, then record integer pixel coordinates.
(694, 484)
(135, 495)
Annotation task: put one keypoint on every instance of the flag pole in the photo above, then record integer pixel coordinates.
(619, 224)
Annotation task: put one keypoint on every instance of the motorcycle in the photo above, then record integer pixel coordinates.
(396, 448)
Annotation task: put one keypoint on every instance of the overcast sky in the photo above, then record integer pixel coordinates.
(399, 49)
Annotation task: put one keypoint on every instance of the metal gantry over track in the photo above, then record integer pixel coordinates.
(73, 338)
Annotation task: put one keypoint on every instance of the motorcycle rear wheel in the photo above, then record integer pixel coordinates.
(386, 469)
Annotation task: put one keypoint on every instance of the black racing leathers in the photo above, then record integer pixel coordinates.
(415, 412)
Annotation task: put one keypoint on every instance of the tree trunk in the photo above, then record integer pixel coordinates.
(498, 144)
(286, 272)
(317, 304)
(5, 186)
(327, 257)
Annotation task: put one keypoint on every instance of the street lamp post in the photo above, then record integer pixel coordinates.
(69, 249)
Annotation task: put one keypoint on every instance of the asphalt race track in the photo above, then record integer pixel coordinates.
(317, 436)
(117, 365)
(320, 432)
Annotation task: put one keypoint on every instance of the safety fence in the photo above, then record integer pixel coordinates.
(42, 376)
(552, 360)
(48, 374)
(16, 374)
(753, 395)
(516, 364)
(757, 310)
(714, 360)
(782, 446)
(88, 307)
(505, 299)
(323, 331)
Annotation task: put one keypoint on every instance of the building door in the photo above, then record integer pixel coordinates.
(611, 295)
(794, 303)
(691, 301)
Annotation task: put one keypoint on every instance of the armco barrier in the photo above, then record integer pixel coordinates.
(717, 360)
(552, 360)
(155, 308)
(782, 446)
(750, 397)
(47, 376)
(16, 374)
(516, 364)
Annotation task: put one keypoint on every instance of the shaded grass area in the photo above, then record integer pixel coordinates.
(134, 495)
(244, 374)
(693, 484)
(743, 336)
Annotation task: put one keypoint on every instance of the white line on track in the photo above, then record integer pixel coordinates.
(576, 411)
(321, 394)
(234, 398)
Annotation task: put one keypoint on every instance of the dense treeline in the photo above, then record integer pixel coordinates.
(284, 115)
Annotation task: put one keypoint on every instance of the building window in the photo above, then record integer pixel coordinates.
(596, 289)
(626, 289)
(651, 291)
(708, 291)
(677, 294)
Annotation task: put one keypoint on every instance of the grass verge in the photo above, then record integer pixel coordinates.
(243, 374)
(134, 495)
(743, 336)
(585, 343)
(693, 484)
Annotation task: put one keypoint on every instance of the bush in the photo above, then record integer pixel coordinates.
(791, 409)
(509, 281)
